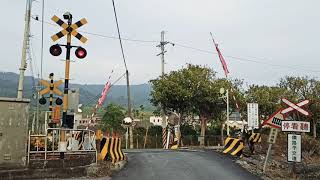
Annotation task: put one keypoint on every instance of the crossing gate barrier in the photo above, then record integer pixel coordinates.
(233, 146)
(255, 137)
(111, 149)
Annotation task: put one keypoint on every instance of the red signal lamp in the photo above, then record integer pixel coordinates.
(81, 52)
(55, 50)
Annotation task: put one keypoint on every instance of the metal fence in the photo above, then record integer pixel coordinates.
(77, 142)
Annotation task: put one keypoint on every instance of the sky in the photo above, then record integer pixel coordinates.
(262, 41)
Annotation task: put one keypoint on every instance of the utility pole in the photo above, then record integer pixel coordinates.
(23, 65)
(127, 75)
(129, 110)
(163, 51)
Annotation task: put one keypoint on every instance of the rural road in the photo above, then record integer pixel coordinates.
(181, 165)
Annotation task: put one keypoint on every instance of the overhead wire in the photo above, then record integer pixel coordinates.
(251, 59)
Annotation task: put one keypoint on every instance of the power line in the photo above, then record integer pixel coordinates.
(252, 59)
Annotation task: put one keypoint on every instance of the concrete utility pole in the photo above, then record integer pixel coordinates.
(163, 51)
(23, 65)
(129, 110)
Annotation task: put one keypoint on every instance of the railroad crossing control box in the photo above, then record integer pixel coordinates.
(14, 114)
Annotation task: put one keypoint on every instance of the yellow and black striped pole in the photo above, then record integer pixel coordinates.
(66, 84)
(66, 79)
(51, 99)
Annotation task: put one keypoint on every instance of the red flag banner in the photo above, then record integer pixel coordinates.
(223, 62)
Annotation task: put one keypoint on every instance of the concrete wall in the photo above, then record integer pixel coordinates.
(13, 131)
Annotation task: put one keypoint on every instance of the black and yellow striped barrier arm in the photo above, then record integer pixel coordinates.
(255, 137)
(233, 146)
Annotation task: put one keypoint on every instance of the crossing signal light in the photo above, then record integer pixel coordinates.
(81, 52)
(58, 101)
(55, 50)
(42, 101)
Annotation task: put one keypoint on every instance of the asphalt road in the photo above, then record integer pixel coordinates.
(181, 165)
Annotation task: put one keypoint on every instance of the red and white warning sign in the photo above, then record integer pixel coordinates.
(275, 119)
(297, 107)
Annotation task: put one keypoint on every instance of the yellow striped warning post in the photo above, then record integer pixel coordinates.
(104, 148)
(175, 143)
(233, 146)
(110, 149)
(121, 154)
(117, 156)
(255, 137)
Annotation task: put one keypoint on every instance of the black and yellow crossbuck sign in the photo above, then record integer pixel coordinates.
(54, 86)
(72, 29)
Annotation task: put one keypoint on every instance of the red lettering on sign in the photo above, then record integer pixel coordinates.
(295, 125)
(286, 125)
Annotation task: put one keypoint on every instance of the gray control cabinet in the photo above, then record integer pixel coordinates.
(13, 131)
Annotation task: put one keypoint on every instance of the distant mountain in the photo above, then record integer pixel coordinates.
(89, 93)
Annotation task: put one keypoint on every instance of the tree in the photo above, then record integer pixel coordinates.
(191, 90)
(305, 88)
(268, 98)
(112, 119)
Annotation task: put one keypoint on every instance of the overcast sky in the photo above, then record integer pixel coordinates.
(282, 33)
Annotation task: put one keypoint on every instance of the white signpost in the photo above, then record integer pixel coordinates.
(253, 115)
(294, 148)
(295, 126)
(294, 140)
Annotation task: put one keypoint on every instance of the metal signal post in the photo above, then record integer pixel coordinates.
(67, 75)
(69, 30)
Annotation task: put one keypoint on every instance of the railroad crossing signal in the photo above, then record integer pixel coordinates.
(297, 107)
(54, 87)
(72, 29)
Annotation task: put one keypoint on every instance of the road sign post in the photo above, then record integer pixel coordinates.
(51, 89)
(295, 126)
(271, 140)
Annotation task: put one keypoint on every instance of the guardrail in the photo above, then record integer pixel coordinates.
(79, 141)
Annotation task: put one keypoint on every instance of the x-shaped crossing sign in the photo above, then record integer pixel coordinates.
(293, 106)
(66, 29)
(54, 87)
